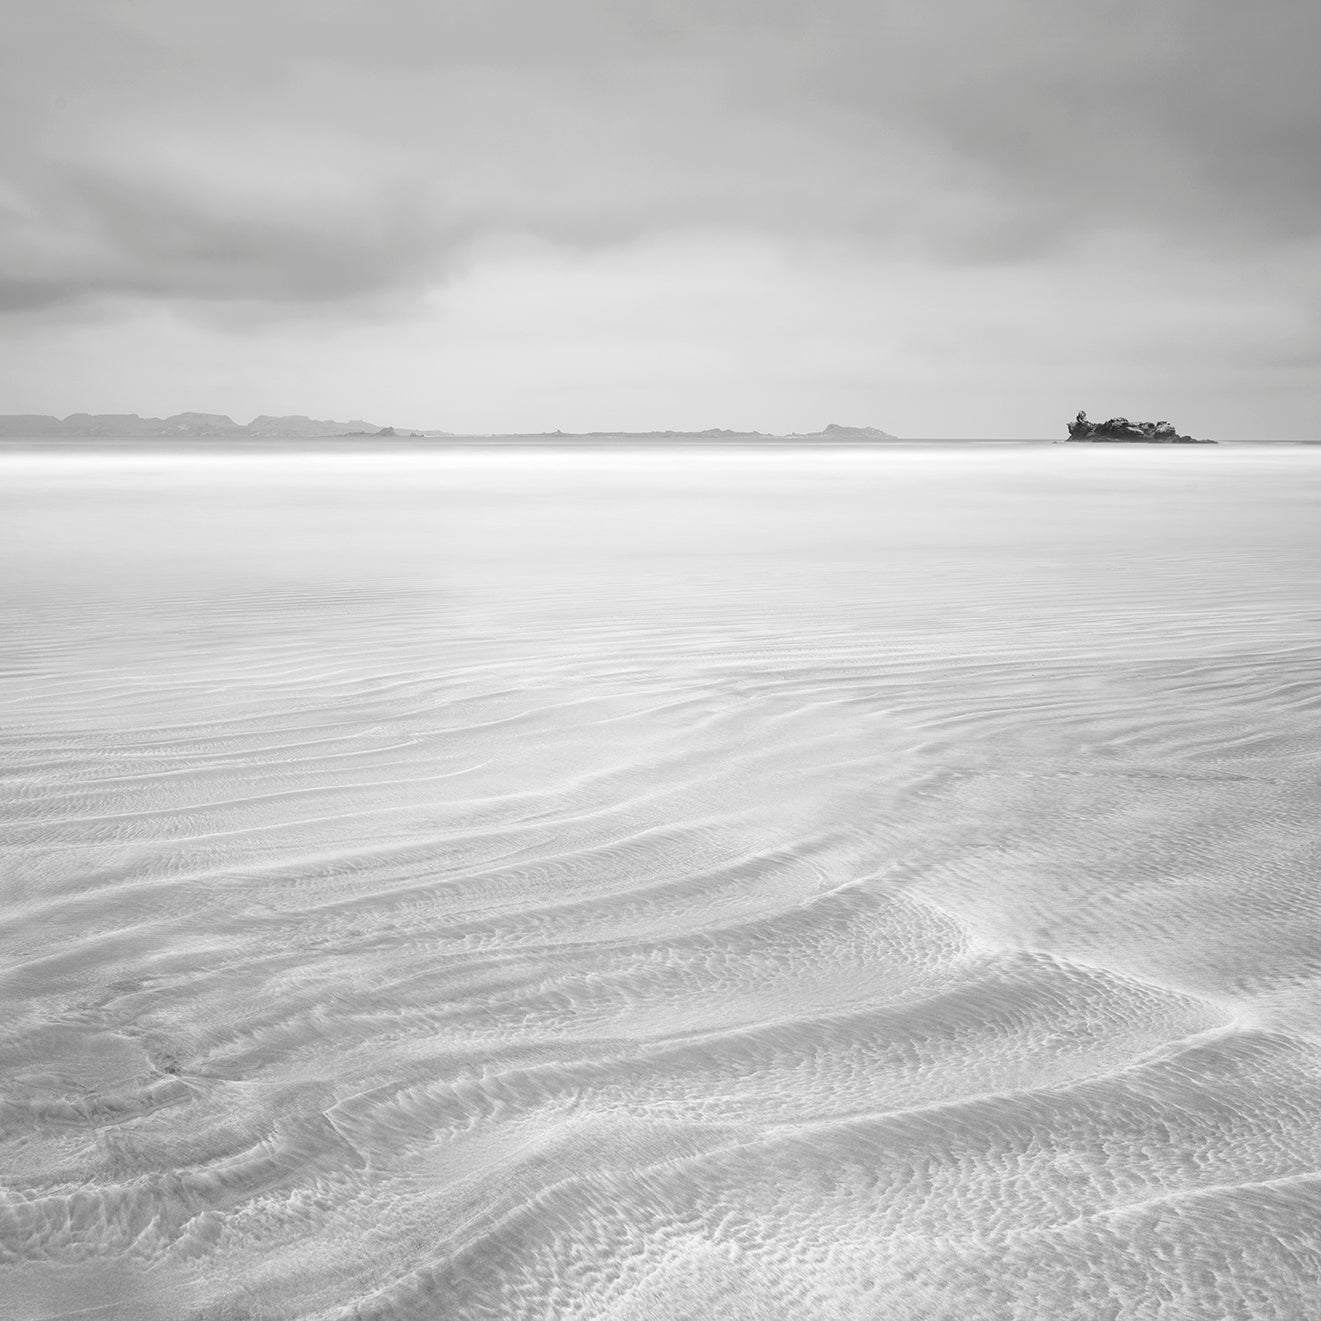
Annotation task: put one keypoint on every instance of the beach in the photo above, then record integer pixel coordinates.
(630, 885)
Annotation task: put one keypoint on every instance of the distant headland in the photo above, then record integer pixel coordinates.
(216, 426)
(199, 425)
(1121, 429)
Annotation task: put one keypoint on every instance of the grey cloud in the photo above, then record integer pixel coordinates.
(18, 294)
(295, 153)
(1197, 117)
(143, 238)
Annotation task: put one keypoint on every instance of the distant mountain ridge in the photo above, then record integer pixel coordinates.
(200, 426)
(178, 424)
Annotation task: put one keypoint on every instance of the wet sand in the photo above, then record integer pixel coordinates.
(640, 886)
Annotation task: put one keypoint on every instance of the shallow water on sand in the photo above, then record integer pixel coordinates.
(751, 885)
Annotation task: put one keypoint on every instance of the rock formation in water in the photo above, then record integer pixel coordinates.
(1120, 428)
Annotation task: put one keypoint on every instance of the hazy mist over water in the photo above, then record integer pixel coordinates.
(631, 886)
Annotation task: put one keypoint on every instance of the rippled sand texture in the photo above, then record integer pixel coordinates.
(753, 886)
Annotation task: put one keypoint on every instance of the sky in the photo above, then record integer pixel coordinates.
(937, 217)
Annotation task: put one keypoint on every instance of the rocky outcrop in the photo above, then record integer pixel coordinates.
(1120, 428)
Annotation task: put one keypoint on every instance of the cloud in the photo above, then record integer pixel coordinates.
(298, 155)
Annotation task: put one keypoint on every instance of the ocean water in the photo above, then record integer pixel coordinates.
(630, 887)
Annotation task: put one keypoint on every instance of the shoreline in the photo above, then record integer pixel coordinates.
(606, 443)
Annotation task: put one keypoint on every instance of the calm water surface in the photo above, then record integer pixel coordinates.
(871, 884)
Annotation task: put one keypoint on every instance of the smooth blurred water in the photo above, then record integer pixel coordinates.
(628, 885)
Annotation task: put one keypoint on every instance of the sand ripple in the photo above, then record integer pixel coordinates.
(745, 887)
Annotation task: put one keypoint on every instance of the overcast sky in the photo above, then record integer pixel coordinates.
(939, 217)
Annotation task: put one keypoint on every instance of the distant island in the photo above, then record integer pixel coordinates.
(1121, 429)
(216, 426)
(833, 431)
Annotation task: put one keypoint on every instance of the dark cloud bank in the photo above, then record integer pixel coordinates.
(292, 155)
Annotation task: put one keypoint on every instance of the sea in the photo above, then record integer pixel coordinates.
(645, 884)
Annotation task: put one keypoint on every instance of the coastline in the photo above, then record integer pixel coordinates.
(590, 443)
